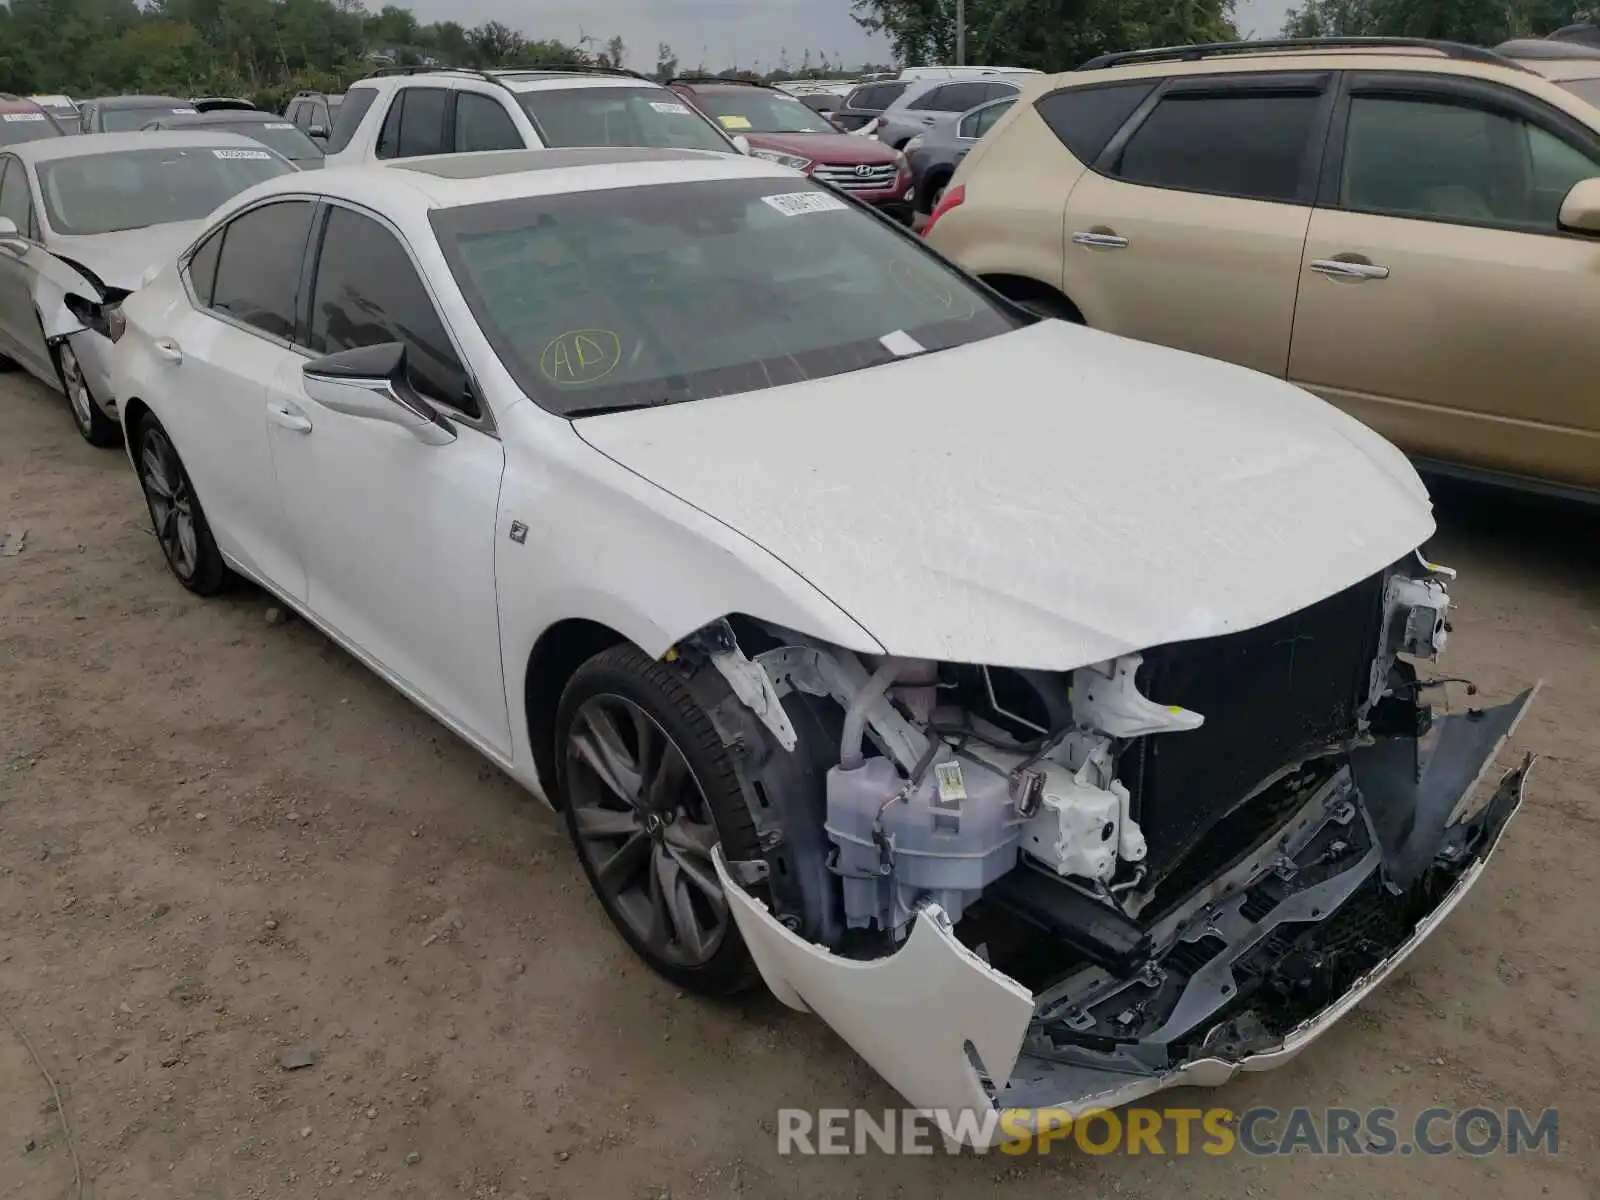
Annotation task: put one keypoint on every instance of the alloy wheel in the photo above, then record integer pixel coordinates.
(646, 830)
(77, 388)
(166, 489)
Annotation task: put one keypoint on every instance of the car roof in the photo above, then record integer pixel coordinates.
(454, 180)
(85, 145)
(136, 101)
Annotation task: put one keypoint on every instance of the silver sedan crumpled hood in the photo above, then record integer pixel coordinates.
(1049, 498)
(121, 259)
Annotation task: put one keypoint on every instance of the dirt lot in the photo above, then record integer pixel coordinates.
(221, 838)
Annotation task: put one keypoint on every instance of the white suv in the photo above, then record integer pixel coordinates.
(408, 113)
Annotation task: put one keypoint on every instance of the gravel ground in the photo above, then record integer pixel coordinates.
(221, 839)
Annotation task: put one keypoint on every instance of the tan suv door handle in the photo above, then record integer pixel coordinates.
(1100, 241)
(1338, 268)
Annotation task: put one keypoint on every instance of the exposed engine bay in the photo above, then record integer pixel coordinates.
(1179, 855)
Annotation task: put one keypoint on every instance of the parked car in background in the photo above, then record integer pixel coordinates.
(1584, 33)
(967, 72)
(929, 103)
(865, 104)
(25, 120)
(1573, 65)
(783, 130)
(267, 128)
(410, 112)
(63, 109)
(314, 112)
(935, 155)
(626, 464)
(124, 114)
(1427, 259)
(81, 221)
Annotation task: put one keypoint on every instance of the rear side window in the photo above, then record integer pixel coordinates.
(875, 97)
(422, 123)
(952, 97)
(1251, 145)
(258, 272)
(356, 103)
(975, 125)
(481, 124)
(1085, 118)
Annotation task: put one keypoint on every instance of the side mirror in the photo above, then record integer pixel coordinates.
(371, 382)
(742, 143)
(11, 240)
(1580, 211)
(317, 131)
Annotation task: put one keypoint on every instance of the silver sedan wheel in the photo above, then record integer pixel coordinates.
(171, 504)
(77, 388)
(646, 830)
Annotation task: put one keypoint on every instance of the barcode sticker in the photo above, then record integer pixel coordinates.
(667, 106)
(22, 116)
(276, 125)
(241, 154)
(185, 112)
(798, 204)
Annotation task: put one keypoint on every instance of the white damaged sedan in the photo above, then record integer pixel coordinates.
(1046, 711)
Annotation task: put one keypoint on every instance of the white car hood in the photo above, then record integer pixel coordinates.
(122, 259)
(1050, 498)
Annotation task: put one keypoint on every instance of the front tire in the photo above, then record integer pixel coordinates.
(649, 791)
(97, 428)
(175, 513)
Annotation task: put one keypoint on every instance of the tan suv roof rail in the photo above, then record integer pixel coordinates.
(1195, 53)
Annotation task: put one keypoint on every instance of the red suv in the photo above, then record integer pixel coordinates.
(783, 130)
(22, 120)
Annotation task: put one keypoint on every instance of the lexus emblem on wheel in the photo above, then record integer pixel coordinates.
(864, 170)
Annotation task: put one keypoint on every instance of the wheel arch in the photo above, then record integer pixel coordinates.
(1023, 288)
(557, 654)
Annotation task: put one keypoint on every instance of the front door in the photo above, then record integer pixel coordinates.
(20, 334)
(1440, 301)
(1189, 229)
(397, 536)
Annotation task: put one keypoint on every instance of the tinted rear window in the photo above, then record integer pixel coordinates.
(126, 120)
(1253, 145)
(1085, 118)
(641, 296)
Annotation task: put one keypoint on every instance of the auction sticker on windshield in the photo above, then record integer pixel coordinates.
(798, 204)
(277, 125)
(667, 106)
(22, 116)
(735, 122)
(241, 154)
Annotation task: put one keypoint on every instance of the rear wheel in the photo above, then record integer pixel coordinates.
(649, 791)
(97, 428)
(175, 512)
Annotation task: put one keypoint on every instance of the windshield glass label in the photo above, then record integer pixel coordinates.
(22, 116)
(241, 154)
(797, 204)
(667, 106)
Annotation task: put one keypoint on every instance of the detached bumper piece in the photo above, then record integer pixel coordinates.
(1253, 969)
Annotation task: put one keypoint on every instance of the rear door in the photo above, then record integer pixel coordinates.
(1188, 231)
(1440, 301)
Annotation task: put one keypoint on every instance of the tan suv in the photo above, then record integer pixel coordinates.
(1409, 229)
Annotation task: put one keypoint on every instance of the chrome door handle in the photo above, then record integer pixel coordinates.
(1101, 241)
(1337, 268)
(168, 349)
(289, 416)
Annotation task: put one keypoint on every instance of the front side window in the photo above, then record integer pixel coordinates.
(654, 295)
(368, 292)
(757, 110)
(1438, 159)
(619, 116)
(15, 201)
(258, 271)
(130, 189)
(422, 122)
(482, 124)
(1251, 145)
(202, 268)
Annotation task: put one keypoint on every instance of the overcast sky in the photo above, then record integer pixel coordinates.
(719, 32)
